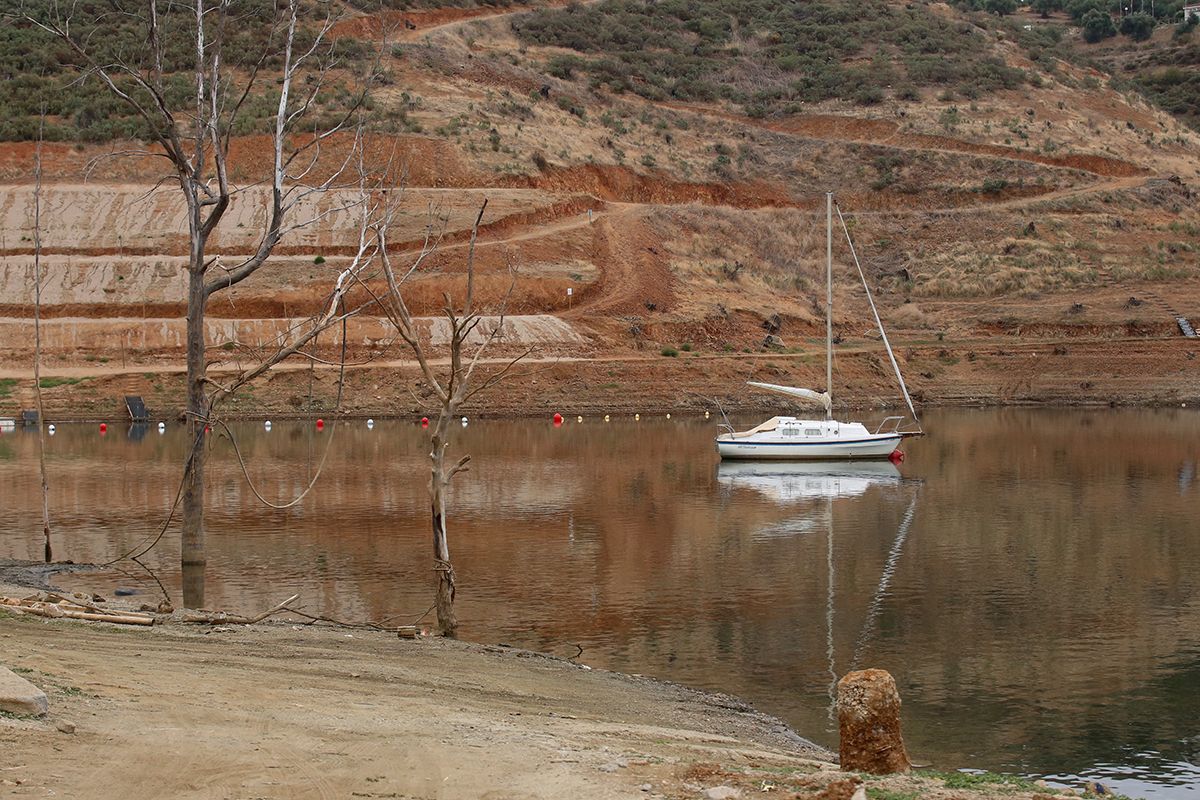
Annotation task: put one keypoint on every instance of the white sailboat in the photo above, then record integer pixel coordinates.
(792, 438)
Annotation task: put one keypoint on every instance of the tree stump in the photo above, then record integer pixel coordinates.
(869, 723)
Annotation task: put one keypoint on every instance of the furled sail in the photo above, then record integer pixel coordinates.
(820, 398)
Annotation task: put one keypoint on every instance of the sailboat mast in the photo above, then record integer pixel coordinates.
(829, 303)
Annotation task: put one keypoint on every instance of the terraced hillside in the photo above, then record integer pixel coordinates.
(1030, 231)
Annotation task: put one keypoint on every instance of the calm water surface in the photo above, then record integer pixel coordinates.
(1031, 578)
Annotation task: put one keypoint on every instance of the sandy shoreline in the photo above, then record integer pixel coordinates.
(283, 710)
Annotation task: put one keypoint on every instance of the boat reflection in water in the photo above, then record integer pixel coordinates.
(800, 483)
(794, 481)
(805, 484)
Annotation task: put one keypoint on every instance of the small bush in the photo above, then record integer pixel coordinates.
(669, 352)
(319, 260)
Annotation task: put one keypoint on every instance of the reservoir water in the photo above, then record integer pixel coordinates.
(1031, 577)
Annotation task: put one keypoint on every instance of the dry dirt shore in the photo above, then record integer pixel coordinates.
(1008, 372)
(279, 710)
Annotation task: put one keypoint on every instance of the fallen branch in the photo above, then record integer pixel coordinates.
(223, 618)
(67, 610)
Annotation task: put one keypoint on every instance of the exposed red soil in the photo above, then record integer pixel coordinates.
(612, 182)
(635, 272)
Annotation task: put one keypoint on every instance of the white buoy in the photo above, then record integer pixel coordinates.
(579, 419)
(267, 424)
(637, 417)
(370, 423)
(606, 417)
(50, 429)
(464, 422)
(668, 415)
(706, 415)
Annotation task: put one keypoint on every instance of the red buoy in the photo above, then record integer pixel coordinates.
(896, 457)
(557, 420)
(320, 424)
(424, 422)
(104, 427)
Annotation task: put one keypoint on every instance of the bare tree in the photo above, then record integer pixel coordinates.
(37, 338)
(196, 142)
(452, 385)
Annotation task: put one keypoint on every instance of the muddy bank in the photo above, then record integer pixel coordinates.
(974, 373)
(25, 575)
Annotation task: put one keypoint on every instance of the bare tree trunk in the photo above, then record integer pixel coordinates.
(438, 483)
(193, 557)
(197, 146)
(37, 343)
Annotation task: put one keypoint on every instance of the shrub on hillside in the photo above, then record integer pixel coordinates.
(1097, 26)
(1138, 27)
(38, 72)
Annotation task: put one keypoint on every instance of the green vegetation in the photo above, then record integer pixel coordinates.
(768, 56)
(1138, 27)
(6, 387)
(1097, 25)
(1170, 77)
(38, 71)
(876, 793)
(669, 352)
(981, 780)
(50, 383)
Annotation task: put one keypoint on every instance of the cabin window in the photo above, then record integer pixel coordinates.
(790, 432)
(812, 432)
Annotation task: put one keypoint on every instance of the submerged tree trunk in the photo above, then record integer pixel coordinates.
(192, 556)
(438, 482)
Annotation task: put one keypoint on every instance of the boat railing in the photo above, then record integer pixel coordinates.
(893, 427)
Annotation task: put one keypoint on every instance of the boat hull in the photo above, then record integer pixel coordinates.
(874, 446)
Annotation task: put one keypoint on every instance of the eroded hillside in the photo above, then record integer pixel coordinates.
(1030, 237)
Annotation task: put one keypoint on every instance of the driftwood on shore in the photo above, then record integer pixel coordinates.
(224, 618)
(58, 607)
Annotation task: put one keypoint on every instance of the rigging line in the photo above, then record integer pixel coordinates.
(885, 580)
(882, 333)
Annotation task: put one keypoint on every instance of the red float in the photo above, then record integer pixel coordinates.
(558, 419)
(424, 422)
(896, 457)
(320, 424)
(104, 427)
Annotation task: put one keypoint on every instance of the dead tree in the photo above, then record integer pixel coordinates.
(452, 385)
(195, 142)
(37, 340)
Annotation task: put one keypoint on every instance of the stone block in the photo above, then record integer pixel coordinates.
(19, 696)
